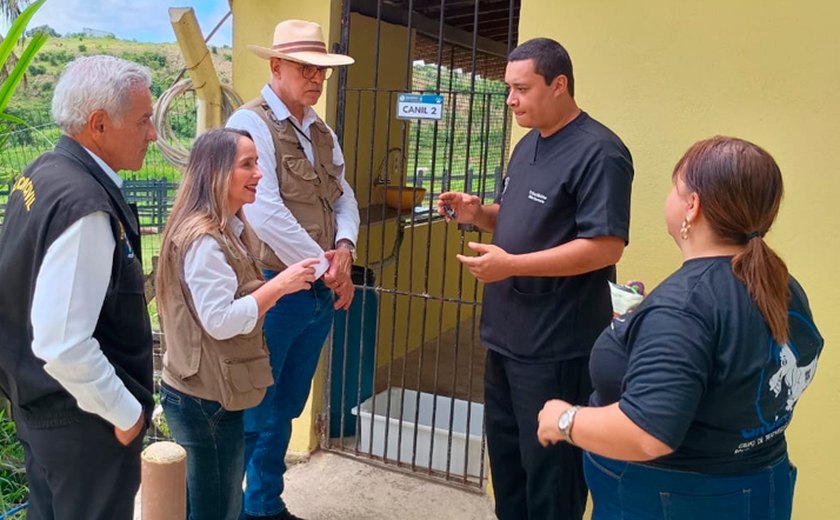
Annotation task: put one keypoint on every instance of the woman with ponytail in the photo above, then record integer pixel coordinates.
(695, 388)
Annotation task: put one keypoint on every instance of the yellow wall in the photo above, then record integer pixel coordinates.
(663, 74)
(253, 24)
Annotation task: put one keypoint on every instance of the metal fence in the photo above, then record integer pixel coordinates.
(152, 188)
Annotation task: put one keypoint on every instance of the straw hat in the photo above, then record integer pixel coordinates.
(301, 41)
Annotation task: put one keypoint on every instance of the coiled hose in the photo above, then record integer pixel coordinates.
(167, 140)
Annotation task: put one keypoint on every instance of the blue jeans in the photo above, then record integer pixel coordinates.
(213, 438)
(295, 330)
(628, 491)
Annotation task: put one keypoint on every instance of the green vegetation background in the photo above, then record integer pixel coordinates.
(32, 100)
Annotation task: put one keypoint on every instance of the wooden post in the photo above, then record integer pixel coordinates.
(163, 489)
(197, 59)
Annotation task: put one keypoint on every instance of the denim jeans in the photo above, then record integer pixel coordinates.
(628, 491)
(295, 330)
(213, 438)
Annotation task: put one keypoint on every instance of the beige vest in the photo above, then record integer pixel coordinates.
(309, 191)
(234, 372)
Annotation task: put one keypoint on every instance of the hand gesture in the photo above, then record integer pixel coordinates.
(338, 278)
(296, 277)
(492, 264)
(462, 207)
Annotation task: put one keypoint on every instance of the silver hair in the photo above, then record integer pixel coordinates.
(95, 83)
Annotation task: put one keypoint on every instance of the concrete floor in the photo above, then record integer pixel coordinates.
(330, 487)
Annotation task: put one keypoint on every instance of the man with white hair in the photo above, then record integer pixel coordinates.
(304, 208)
(75, 339)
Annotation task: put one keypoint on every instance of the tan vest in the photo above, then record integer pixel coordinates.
(234, 372)
(309, 191)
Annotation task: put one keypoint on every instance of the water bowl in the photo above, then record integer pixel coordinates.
(403, 197)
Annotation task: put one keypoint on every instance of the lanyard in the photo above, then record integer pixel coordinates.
(299, 131)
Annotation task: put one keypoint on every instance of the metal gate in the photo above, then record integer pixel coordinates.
(405, 385)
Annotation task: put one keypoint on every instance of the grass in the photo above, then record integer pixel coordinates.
(25, 144)
(13, 487)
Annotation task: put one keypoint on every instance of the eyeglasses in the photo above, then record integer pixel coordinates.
(310, 71)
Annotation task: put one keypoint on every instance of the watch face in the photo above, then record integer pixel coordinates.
(564, 420)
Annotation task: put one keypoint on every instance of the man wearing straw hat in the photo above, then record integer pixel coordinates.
(304, 208)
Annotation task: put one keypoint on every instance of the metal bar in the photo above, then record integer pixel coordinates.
(445, 153)
(427, 259)
(344, 47)
(405, 469)
(428, 244)
(395, 282)
(378, 40)
(486, 148)
(458, 308)
(341, 112)
(410, 300)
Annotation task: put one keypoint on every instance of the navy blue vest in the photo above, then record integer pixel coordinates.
(56, 190)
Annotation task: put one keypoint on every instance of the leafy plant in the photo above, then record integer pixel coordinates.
(7, 89)
(13, 486)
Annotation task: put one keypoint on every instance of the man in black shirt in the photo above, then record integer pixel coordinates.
(560, 224)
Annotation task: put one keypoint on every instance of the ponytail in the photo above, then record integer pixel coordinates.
(766, 277)
(740, 186)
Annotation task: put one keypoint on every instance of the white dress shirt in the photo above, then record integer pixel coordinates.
(69, 293)
(212, 284)
(268, 215)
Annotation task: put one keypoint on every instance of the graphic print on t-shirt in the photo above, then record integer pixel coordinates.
(789, 371)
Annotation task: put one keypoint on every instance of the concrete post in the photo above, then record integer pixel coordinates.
(163, 489)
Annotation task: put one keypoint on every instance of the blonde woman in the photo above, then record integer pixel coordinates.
(212, 299)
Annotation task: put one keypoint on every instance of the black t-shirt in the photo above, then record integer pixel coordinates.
(572, 184)
(695, 366)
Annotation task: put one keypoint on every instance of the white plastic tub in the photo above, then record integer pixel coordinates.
(463, 437)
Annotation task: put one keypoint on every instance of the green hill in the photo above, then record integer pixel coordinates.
(32, 100)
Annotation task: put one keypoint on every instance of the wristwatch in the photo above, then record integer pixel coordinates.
(566, 421)
(346, 244)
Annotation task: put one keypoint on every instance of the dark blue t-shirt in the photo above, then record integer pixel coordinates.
(572, 184)
(695, 366)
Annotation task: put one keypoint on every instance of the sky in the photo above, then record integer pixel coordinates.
(141, 20)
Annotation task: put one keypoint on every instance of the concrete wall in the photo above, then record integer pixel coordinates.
(665, 74)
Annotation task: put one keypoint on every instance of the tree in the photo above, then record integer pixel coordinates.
(46, 29)
(10, 9)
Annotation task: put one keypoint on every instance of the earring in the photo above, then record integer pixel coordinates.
(684, 229)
